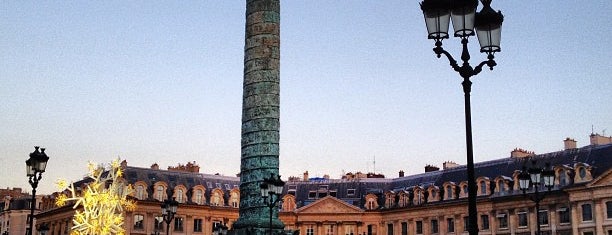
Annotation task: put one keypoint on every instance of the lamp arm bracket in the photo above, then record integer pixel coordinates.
(491, 63)
(453, 63)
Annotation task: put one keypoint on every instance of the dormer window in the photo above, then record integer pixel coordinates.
(159, 194)
(449, 192)
(582, 173)
(483, 187)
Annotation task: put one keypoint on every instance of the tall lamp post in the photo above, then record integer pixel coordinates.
(35, 166)
(271, 192)
(534, 177)
(487, 24)
(168, 211)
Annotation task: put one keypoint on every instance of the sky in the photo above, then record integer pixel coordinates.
(161, 82)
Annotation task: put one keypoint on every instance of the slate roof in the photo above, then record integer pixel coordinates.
(599, 157)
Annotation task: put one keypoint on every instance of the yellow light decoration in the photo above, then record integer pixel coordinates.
(102, 202)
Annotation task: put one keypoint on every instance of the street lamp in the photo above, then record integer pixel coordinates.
(271, 191)
(534, 177)
(220, 229)
(168, 211)
(487, 24)
(35, 166)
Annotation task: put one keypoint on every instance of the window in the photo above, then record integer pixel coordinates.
(404, 228)
(543, 217)
(434, 226)
(310, 230)
(217, 185)
(562, 177)
(502, 220)
(209, 185)
(587, 233)
(564, 215)
(609, 209)
(350, 192)
(138, 222)
(199, 198)
(523, 220)
(329, 229)
(389, 229)
(333, 193)
(465, 189)
(483, 188)
(140, 192)
(227, 186)
(159, 223)
(449, 192)
(466, 223)
(419, 227)
(501, 186)
(197, 225)
(349, 229)
(485, 222)
(178, 224)
(322, 194)
(160, 193)
(312, 194)
(582, 172)
(587, 214)
(179, 195)
(450, 225)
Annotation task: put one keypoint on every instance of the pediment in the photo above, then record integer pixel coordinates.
(329, 205)
(602, 180)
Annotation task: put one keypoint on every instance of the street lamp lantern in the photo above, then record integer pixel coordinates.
(437, 18)
(524, 180)
(463, 16)
(488, 28)
(465, 19)
(548, 175)
(535, 174)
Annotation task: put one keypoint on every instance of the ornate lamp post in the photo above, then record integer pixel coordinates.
(35, 166)
(168, 211)
(271, 192)
(487, 24)
(534, 177)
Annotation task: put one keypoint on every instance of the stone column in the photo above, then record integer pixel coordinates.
(260, 114)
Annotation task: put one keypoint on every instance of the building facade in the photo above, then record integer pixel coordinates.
(434, 202)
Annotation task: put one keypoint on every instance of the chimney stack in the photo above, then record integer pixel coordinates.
(430, 168)
(597, 139)
(520, 153)
(569, 143)
(449, 165)
(306, 176)
(401, 173)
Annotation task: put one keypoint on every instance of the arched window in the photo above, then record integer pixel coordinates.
(179, 196)
(501, 186)
(449, 192)
(483, 188)
(199, 197)
(562, 177)
(160, 193)
(140, 192)
(582, 172)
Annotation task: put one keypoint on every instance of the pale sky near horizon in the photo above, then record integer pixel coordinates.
(161, 82)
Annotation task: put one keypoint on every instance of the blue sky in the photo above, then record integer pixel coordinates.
(161, 82)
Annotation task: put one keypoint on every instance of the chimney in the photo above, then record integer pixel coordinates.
(520, 153)
(597, 139)
(401, 173)
(449, 165)
(430, 168)
(306, 176)
(569, 143)
(155, 166)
